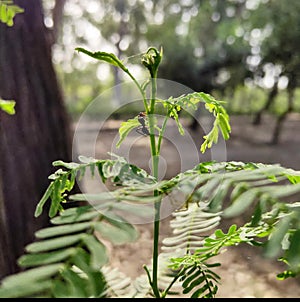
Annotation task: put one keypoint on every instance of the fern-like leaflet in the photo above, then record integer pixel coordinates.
(69, 259)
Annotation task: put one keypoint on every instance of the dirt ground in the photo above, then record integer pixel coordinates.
(244, 272)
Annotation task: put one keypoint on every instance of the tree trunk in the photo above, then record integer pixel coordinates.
(281, 118)
(34, 137)
(271, 98)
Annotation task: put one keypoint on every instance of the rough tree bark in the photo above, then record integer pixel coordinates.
(33, 138)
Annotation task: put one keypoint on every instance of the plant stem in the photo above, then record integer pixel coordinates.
(155, 162)
(162, 131)
(155, 250)
(179, 274)
(140, 89)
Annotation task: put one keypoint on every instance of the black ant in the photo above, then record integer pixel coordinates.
(142, 129)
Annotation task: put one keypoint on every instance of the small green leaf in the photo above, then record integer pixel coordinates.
(55, 199)
(294, 179)
(10, 16)
(3, 15)
(104, 56)
(30, 289)
(191, 276)
(213, 265)
(76, 211)
(70, 166)
(209, 99)
(8, 106)
(87, 160)
(238, 189)
(98, 251)
(232, 230)
(210, 138)
(93, 197)
(219, 233)
(63, 230)
(57, 174)
(256, 217)
(125, 129)
(116, 230)
(70, 184)
(53, 244)
(284, 190)
(224, 125)
(76, 285)
(45, 258)
(273, 246)
(286, 274)
(81, 259)
(60, 289)
(77, 217)
(293, 253)
(31, 276)
(173, 113)
(193, 284)
(201, 290)
(40, 205)
(216, 199)
(96, 284)
(8, 10)
(240, 204)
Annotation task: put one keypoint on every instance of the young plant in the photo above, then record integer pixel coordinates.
(70, 258)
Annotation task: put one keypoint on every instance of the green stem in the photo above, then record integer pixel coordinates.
(148, 274)
(162, 131)
(165, 292)
(153, 92)
(154, 153)
(151, 117)
(155, 162)
(155, 250)
(140, 89)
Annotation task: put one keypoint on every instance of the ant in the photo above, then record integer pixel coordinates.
(142, 129)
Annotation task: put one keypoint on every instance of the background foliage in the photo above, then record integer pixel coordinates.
(229, 47)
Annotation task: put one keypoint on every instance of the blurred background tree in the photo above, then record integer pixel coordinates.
(245, 51)
(35, 136)
(279, 55)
